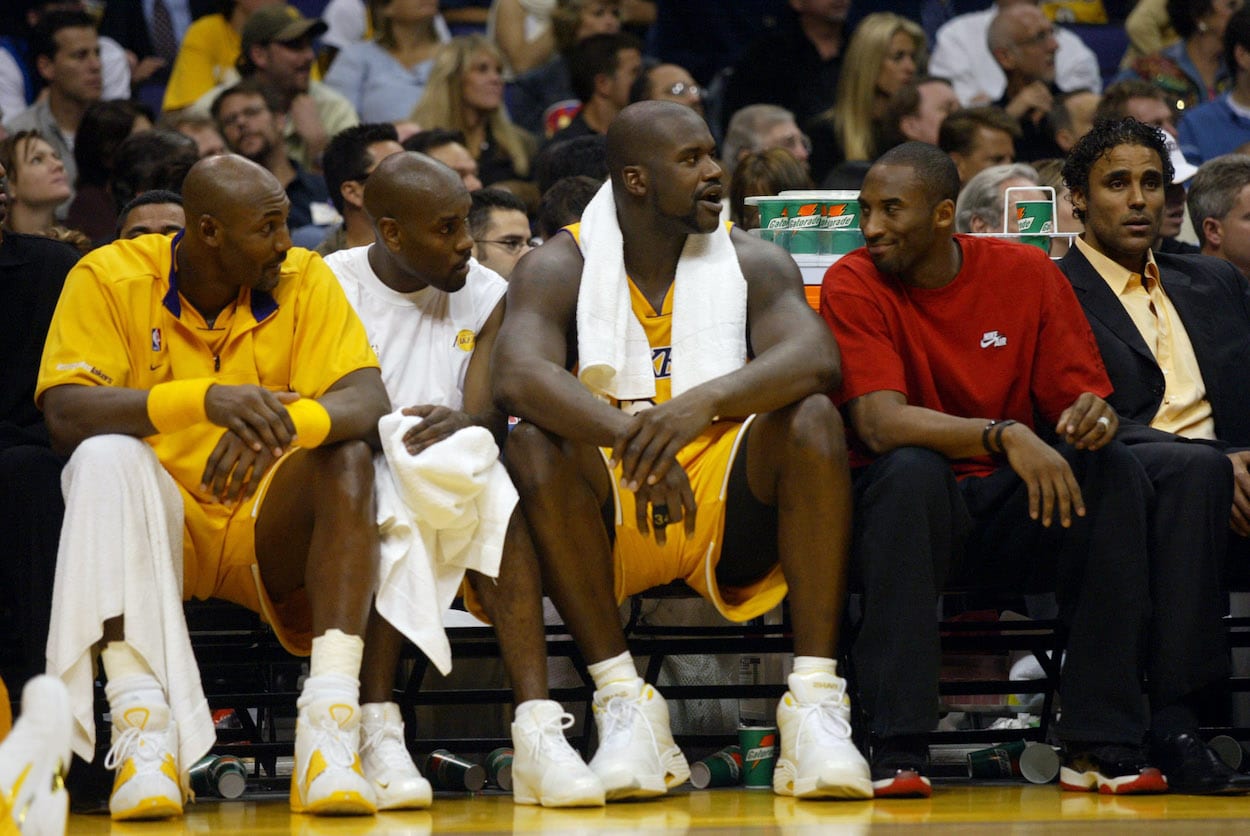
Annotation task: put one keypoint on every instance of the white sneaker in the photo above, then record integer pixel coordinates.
(386, 761)
(546, 770)
(33, 760)
(818, 758)
(328, 779)
(637, 757)
(148, 783)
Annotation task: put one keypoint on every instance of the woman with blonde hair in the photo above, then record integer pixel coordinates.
(385, 77)
(465, 93)
(885, 53)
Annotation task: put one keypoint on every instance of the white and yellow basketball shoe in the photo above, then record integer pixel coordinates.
(144, 754)
(637, 757)
(818, 758)
(33, 761)
(328, 778)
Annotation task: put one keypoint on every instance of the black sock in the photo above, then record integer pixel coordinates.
(906, 749)
(1174, 719)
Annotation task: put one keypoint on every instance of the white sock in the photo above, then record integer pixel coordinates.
(815, 664)
(329, 686)
(130, 680)
(617, 669)
(523, 710)
(811, 681)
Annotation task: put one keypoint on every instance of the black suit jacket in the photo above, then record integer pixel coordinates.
(124, 22)
(1213, 301)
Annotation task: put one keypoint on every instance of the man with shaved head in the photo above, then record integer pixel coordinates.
(432, 313)
(667, 456)
(220, 420)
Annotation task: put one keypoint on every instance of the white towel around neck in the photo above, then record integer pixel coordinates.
(709, 311)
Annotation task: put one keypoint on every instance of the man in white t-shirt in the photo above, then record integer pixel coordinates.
(432, 314)
(961, 53)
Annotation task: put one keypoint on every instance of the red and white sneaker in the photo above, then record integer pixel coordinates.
(900, 783)
(1110, 769)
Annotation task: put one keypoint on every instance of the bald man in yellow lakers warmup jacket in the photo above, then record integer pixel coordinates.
(217, 393)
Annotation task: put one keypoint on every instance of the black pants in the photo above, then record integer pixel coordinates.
(1189, 537)
(30, 528)
(917, 529)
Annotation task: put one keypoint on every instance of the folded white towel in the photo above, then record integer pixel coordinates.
(440, 512)
(121, 554)
(709, 311)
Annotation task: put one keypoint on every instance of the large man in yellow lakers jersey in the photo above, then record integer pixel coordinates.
(730, 475)
(217, 392)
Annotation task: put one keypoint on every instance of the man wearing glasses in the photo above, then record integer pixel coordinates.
(1023, 43)
(961, 52)
(668, 82)
(500, 229)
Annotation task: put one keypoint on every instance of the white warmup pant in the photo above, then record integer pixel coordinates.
(121, 555)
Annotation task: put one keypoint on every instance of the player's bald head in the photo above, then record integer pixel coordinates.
(645, 128)
(220, 185)
(410, 182)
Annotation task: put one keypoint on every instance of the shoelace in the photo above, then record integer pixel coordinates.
(144, 746)
(619, 714)
(549, 736)
(386, 742)
(334, 741)
(828, 716)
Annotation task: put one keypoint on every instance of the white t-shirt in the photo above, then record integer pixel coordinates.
(424, 340)
(961, 54)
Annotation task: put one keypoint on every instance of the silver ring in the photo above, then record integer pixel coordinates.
(1105, 421)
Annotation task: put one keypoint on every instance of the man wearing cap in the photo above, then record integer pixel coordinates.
(1174, 333)
(277, 52)
(1174, 202)
(1222, 126)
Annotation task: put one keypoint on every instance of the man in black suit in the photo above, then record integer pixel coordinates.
(1185, 371)
(1174, 332)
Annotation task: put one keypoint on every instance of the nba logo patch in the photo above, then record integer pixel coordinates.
(156, 339)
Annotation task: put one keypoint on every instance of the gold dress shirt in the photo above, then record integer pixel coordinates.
(1184, 409)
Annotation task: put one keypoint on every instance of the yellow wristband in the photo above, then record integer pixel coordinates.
(312, 422)
(178, 404)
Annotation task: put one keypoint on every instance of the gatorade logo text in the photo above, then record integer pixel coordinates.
(760, 753)
(1023, 224)
(807, 217)
(836, 217)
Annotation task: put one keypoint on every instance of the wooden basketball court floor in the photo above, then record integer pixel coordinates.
(957, 807)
